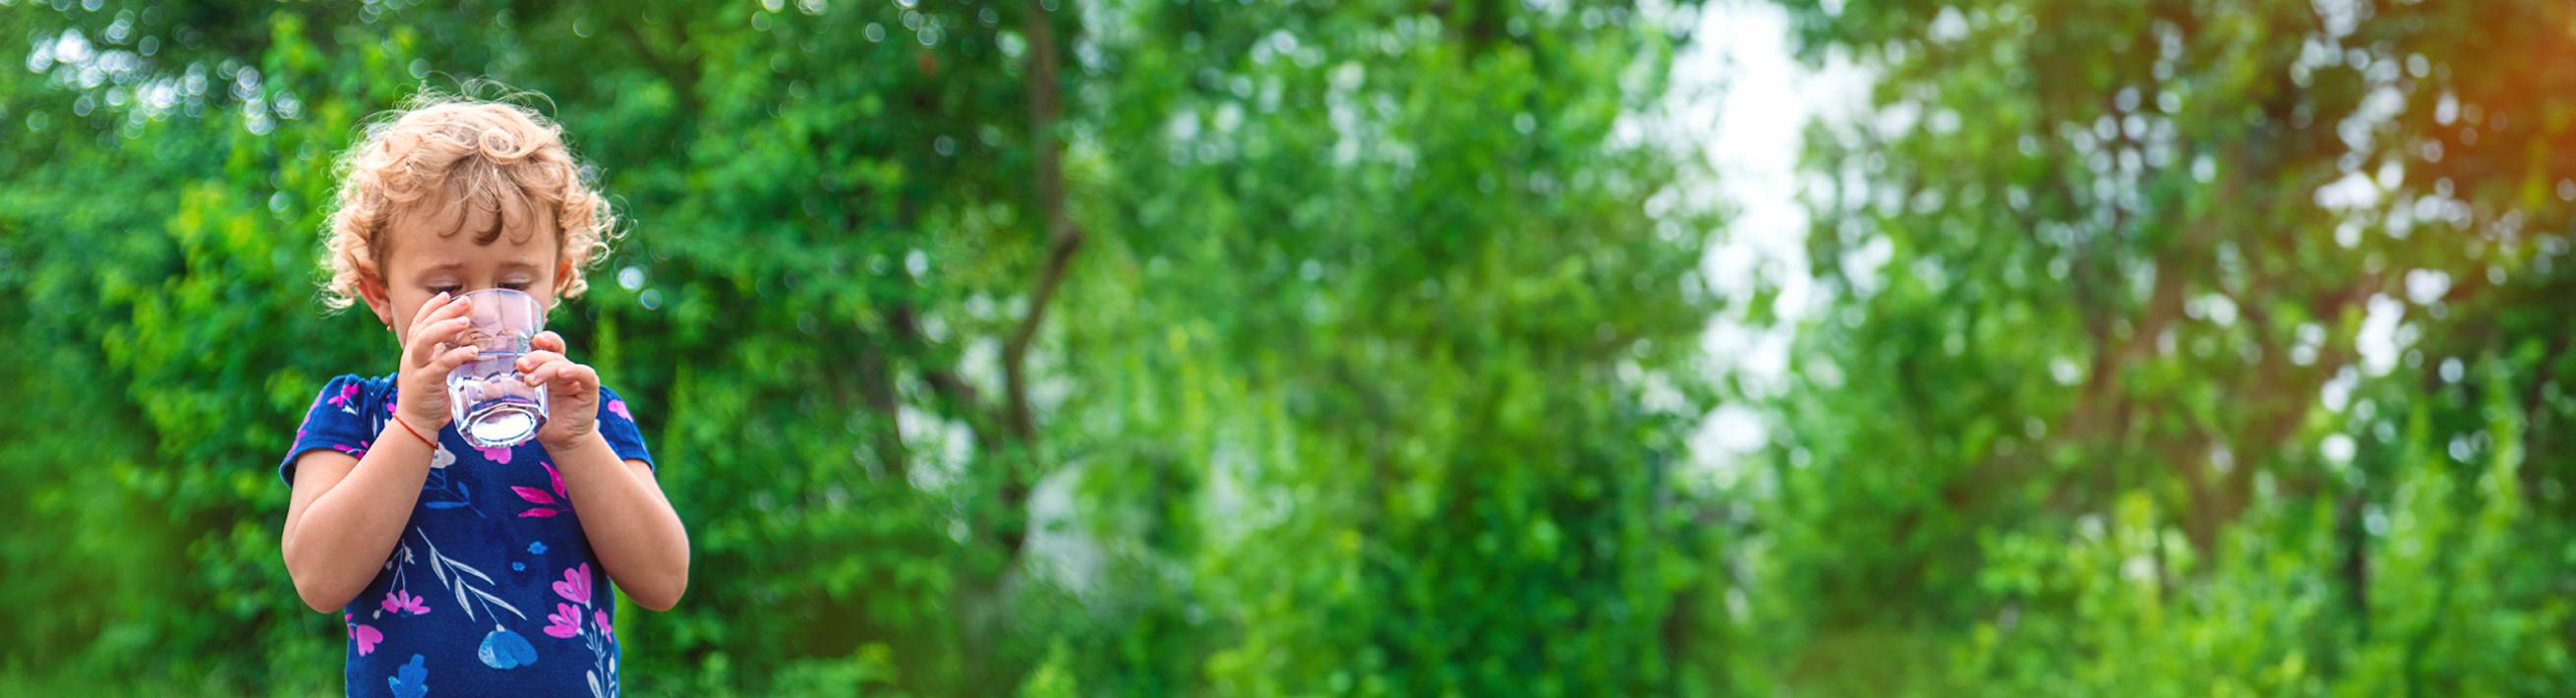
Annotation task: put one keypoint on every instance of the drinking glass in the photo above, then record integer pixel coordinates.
(494, 407)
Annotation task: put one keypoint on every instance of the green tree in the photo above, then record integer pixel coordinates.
(1424, 328)
(2104, 267)
(1359, 339)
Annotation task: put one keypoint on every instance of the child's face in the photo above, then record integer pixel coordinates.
(438, 245)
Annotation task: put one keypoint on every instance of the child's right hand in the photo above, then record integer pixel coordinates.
(427, 359)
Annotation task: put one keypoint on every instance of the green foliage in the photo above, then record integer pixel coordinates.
(2184, 348)
(1140, 347)
(1177, 347)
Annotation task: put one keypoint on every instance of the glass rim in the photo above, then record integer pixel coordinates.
(498, 291)
(513, 295)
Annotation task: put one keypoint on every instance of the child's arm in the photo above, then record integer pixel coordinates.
(629, 522)
(348, 513)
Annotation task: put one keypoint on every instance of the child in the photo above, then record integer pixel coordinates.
(474, 571)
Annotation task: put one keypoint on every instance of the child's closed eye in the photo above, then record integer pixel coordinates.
(453, 289)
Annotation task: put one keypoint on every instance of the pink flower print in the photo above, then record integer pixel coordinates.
(600, 618)
(536, 496)
(565, 622)
(497, 455)
(619, 408)
(556, 503)
(401, 601)
(347, 398)
(575, 586)
(366, 635)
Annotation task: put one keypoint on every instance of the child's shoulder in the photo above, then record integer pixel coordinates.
(349, 396)
(364, 382)
(345, 416)
(350, 386)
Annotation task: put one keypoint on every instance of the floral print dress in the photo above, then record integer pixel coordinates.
(493, 588)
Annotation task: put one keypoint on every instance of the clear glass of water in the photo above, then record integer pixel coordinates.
(493, 405)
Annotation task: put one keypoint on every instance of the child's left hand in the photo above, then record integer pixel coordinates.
(572, 391)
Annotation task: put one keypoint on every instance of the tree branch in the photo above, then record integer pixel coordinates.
(1063, 237)
(957, 398)
(876, 386)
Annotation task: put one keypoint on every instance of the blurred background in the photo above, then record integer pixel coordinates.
(1419, 347)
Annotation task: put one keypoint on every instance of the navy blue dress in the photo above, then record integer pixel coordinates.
(493, 588)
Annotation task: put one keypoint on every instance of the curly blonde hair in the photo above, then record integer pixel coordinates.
(484, 152)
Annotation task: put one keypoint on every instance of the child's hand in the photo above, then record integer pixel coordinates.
(572, 391)
(427, 359)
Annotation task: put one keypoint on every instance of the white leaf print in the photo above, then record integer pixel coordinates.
(433, 559)
(468, 606)
(442, 458)
(593, 675)
(505, 605)
(462, 570)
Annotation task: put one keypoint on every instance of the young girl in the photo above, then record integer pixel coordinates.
(473, 571)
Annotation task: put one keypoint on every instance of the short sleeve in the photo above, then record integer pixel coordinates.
(342, 419)
(617, 423)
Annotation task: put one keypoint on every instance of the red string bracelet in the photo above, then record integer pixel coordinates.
(415, 432)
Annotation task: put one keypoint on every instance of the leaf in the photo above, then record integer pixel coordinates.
(533, 495)
(555, 476)
(462, 570)
(465, 603)
(487, 596)
(539, 512)
(443, 505)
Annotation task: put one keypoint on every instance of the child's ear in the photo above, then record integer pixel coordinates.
(371, 288)
(563, 276)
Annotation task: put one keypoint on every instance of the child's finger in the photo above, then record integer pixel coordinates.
(531, 360)
(564, 375)
(425, 340)
(447, 361)
(577, 378)
(537, 372)
(545, 374)
(550, 341)
(440, 307)
(431, 306)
